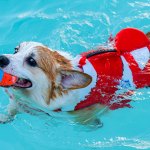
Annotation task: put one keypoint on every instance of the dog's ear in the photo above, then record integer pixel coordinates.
(72, 79)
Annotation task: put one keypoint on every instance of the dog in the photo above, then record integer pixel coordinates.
(54, 81)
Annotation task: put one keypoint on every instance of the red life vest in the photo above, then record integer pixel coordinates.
(113, 67)
(116, 73)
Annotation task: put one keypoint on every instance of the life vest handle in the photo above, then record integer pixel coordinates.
(99, 51)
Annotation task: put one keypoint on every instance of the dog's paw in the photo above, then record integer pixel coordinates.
(5, 119)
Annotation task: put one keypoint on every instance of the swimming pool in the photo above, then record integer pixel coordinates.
(74, 26)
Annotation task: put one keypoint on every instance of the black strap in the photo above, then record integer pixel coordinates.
(99, 51)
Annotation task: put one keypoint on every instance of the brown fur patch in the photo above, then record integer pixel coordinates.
(47, 62)
(62, 61)
(50, 62)
(148, 35)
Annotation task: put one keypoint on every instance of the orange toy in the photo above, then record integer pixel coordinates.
(7, 79)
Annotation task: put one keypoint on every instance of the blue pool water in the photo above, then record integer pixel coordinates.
(74, 26)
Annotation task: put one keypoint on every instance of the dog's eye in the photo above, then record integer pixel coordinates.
(31, 62)
(16, 50)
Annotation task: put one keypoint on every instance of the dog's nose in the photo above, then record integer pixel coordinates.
(4, 61)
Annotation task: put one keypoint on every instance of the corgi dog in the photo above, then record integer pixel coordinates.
(54, 81)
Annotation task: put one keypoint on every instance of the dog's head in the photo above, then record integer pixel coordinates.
(43, 74)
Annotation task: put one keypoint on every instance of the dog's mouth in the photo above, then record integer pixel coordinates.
(23, 83)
